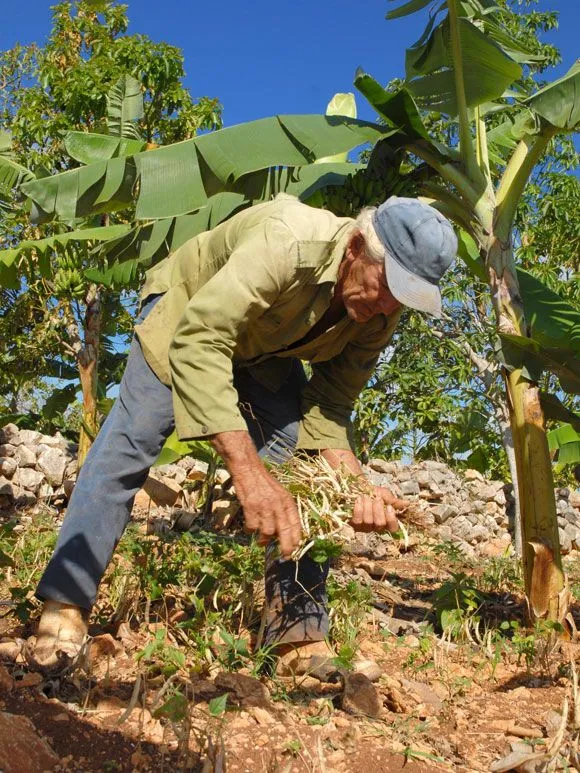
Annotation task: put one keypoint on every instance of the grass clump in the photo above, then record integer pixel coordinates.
(325, 498)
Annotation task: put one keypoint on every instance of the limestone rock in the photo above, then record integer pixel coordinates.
(68, 485)
(443, 512)
(25, 456)
(565, 541)
(7, 449)
(10, 433)
(196, 469)
(28, 478)
(473, 475)
(423, 693)
(52, 463)
(30, 437)
(7, 493)
(359, 696)
(172, 471)
(223, 512)
(163, 491)
(24, 499)
(380, 465)
(8, 467)
(409, 487)
(22, 749)
(71, 469)
(500, 498)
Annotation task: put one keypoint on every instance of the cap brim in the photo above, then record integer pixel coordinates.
(411, 290)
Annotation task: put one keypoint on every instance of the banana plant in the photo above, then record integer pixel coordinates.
(466, 66)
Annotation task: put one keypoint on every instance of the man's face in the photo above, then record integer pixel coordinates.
(364, 288)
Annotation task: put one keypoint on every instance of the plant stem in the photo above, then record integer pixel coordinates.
(448, 172)
(465, 140)
(481, 146)
(526, 155)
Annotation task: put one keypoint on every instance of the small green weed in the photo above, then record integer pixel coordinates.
(456, 604)
(451, 552)
(160, 656)
(349, 605)
(502, 574)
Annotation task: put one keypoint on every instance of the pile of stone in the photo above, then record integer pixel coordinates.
(462, 507)
(34, 467)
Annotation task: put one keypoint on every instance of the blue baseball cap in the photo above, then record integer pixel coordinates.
(420, 245)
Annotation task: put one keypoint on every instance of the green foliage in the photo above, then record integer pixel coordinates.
(565, 440)
(190, 172)
(349, 606)
(159, 656)
(89, 77)
(217, 706)
(211, 577)
(25, 555)
(456, 604)
(324, 550)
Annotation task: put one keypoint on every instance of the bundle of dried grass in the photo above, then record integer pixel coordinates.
(325, 498)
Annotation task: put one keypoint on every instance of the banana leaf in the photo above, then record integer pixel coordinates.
(411, 7)
(398, 108)
(125, 107)
(487, 69)
(175, 449)
(468, 251)
(43, 248)
(12, 174)
(340, 104)
(179, 178)
(555, 409)
(91, 148)
(534, 359)
(148, 243)
(566, 442)
(553, 321)
(559, 101)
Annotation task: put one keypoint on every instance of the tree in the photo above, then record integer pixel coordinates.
(460, 65)
(89, 77)
(451, 402)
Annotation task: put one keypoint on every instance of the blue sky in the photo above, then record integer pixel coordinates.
(261, 58)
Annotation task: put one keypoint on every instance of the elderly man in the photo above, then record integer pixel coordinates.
(224, 324)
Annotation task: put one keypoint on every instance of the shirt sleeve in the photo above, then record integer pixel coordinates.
(200, 356)
(329, 397)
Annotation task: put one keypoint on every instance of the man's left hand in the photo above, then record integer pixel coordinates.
(377, 511)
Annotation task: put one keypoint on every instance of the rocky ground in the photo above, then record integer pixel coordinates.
(174, 677)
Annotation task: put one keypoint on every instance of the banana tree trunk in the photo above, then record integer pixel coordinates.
(503, 420)
(545, 586)
(88, 360)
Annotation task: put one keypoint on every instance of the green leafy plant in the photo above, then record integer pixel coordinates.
(456, 604)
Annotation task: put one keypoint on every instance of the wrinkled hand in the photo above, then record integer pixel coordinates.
(269, 510)
(377, 511)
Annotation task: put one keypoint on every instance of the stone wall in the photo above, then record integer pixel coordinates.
(462, 507)
(467, 508)
(34, 467)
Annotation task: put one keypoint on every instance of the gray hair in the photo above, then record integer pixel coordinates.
(374, 248)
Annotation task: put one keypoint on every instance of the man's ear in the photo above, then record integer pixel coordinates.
(356, 245)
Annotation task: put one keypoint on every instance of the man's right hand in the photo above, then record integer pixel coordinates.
(269, 510)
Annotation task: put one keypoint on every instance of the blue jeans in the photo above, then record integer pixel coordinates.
(117, 466)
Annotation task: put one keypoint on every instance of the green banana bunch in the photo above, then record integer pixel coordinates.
(367, 187)
(68, 279)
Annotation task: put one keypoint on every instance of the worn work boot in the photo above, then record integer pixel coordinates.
(316, 658)
(313, 658)
(60, 637)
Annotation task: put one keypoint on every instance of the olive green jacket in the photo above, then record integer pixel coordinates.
(243, 294)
